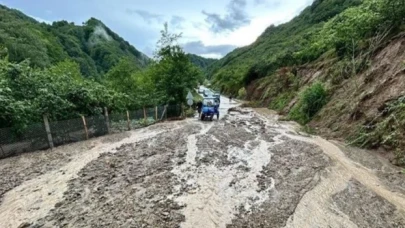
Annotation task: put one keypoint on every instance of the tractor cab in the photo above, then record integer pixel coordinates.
(210, 108)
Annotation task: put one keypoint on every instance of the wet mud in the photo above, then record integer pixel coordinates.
(244, 170)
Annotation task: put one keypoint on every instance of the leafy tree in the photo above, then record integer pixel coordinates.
(343, 26)
(172, 70)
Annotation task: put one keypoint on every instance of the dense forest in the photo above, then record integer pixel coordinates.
(202, 63)
(337, 68)
(64, 70)
(92, 45)
(325, 27)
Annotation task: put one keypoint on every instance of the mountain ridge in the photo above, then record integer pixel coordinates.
(94, 46)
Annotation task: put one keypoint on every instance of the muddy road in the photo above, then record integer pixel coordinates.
(245, 170)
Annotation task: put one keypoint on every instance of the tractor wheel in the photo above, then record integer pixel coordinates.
(212, 117)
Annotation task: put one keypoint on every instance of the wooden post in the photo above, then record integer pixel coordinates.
(128, 121)
(156, 113)
(85, 127)
(144, 113)
(107, 121)
(48, 131)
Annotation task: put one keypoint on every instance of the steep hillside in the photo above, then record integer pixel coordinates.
(276, 47)
(92, 45)
(337, 68)
(201, 62)
(65, 71)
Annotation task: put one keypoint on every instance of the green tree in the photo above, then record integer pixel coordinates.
(172, 71)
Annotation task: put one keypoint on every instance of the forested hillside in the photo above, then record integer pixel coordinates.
(64, 71)
(278, 46)
(201, 62)
(92, 45)
(338, 68)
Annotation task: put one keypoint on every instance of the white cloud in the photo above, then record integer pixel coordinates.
(211, 56)
(140, 21)
(273, 12)
(249, 33)
(42, 20)
(195, 27)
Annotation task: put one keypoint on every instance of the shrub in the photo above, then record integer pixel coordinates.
(311, 100)
(242, 93)
(190, 112)
(281, 101)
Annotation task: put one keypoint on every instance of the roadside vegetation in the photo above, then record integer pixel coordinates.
(61, 91)
(310, 101)
(386, 130)
(296, 68)
(342, 29)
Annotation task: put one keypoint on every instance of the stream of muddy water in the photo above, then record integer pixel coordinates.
(245, 170)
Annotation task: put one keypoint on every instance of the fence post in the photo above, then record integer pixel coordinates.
(128, 121)
(156, 113)
(2, 151)
(164, 112)
(107, 121)
(85, 127)
(48, 131)
(144, 113)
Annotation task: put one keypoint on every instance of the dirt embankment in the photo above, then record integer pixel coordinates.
(356, 103)
(361, 99)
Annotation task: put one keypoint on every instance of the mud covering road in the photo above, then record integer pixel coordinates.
(244, 170)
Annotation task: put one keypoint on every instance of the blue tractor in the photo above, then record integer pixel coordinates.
(210, 108)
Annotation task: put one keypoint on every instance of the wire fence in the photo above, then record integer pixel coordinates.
(40, 136)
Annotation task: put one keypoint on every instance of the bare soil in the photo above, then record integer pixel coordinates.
(244, 170)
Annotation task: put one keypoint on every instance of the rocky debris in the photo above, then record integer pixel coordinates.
(366, 209)
(240, 171)
(129, 188)
(24, 225)
(15, 170)
(294, 169)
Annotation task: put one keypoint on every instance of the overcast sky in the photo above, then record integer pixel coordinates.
(210, 28)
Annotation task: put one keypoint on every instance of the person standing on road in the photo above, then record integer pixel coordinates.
(199, 107)
(230, 99)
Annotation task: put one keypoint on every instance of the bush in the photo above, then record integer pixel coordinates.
(242, 93)
(281, 101)
(311, 100)
(190, 112)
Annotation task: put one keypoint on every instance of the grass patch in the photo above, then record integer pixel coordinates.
(307, 129)
(281, 101)
(311, 100)
(242, 93)
(387, 130)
